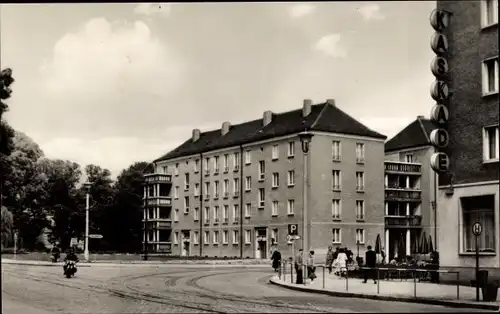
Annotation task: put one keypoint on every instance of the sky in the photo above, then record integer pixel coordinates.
(112, 84)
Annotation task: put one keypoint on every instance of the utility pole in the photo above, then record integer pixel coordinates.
(87, 209)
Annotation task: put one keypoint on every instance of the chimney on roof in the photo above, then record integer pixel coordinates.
(196, 135)
(267, 118)
(225, 128)
(420, 117)
(331, 102)
(306, 108)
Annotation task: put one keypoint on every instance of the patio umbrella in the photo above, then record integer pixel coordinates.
(414, 246)
(421, 243)
(425, 245)
(401, 248)
(378, 245)
(430, 246)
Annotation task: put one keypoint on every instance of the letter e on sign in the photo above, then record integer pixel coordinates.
(439, 138)
(439, 43)
(439, 19)
(440, 162)
(439, 67)
(439, 114)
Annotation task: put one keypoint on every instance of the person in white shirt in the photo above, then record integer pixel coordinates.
(341, 262)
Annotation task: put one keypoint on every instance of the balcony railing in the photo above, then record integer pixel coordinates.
(164, 224)
(403, 221)
(402, 195)
(159, 201)
(158, 178)
(402, 167)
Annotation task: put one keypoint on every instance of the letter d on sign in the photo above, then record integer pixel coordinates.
(440, 162)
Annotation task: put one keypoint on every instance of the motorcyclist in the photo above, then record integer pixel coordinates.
(70, 256)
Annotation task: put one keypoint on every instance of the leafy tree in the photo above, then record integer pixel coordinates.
(6, 80)
(7, 224)
(126, 211)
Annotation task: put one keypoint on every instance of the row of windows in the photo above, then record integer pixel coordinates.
(489, 12)
(216, 237)
(337, 151)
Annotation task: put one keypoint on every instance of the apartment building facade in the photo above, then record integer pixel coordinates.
(469, 192)
(410, 190)
(235, 190)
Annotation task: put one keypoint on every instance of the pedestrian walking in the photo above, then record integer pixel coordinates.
(370, 263)
(276, 258)
(311, 269)
(341, 262)
(299, 266)
(330, 257)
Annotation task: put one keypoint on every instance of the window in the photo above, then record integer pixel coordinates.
(206, 215)
(489, 12)
(207, 189)
(490, 76)
(478, 209)
(196, 238)
(248, 210)
(290, 207)
(336, 180)
(196, 165)
(248, 236)
(360, 236)
(176, 169)
(176, 237)
(262, 170)
(206, 237)
(360, 210)
(262, 197)
(236, 186)
(490, 143)
(225, 235)
(236, 236)
(236, 212)
(186, 204)
(196, 213)
(176, 192)
(276, 180)
(409, 158)
(248, 157)
(291, 178)
(336, 235)
(216, 213)
(186, 181)
(165, 169)
(216, 237)
(216, 164)
(207, 165)
(225, 188)
(274, 208)
(291, 149)
(360, 152)
(336, 150)
(176, 215)
(216, 189)
(196, 189)
(236, 161)
(276, 152)
(248, 183)
(225, 213)
(274, 236)
(226, 163)
(360, 181)
(336, 209)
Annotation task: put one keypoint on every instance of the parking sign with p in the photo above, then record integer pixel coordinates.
(293, 229)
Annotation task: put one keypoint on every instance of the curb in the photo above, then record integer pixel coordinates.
(447, 303)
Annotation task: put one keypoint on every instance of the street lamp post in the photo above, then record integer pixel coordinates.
(305, 139)
(357, 244)
(87, 185)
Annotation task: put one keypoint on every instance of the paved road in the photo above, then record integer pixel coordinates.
(174, 289)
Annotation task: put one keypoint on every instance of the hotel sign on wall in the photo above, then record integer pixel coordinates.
(440, 162)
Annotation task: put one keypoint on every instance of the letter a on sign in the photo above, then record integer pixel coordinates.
(439, 114)
(439, 43)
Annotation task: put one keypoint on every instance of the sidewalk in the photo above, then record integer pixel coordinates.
(392, 290)
(107, 263)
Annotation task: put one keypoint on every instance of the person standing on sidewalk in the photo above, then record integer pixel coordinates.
(299, 266)
(310, 266)
(370, 264)
(329, 259)
(276, 258)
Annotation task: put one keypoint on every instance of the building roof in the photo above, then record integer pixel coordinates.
(324, 117)
(416, 134)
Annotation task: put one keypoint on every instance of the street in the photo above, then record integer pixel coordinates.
(172, 289)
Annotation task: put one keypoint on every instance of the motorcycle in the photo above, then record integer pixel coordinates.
(69, 268)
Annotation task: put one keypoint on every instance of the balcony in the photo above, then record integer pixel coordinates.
(402, 167)
(402, 195)
(414, 221)
(159, 201)
(157, 178)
